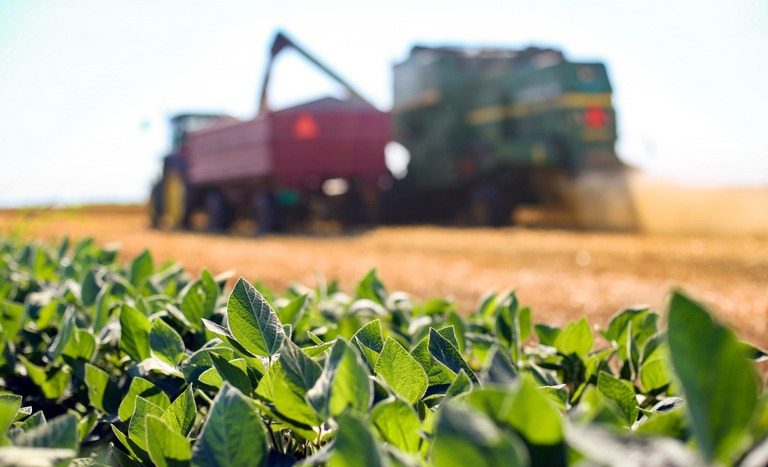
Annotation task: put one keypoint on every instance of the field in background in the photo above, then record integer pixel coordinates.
(560, 274)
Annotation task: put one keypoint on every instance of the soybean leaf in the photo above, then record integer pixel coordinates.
(253, 322)
(461, 385)
(401, 371)
(233, 434)
(166, 447)
(137, 429)
(575, 339)
(141, 268)
(147, 390)
(620, 391)
(547, 334)
(180, 415)
(532, 415)
(371, 288)
(236, 376)
(343, 385)
(292, 312)
(354, 445)
(165, 343)
(90, 288)
(102, 309)
(446, 354)
(193, 304)
(466, 437)
(719, 382)
(9, 407)
(398, 423)
(134, 333)
(370, 341)
(61, 432)
(101, 392)
(11, 317)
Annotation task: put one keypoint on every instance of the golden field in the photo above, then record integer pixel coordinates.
(561, 274)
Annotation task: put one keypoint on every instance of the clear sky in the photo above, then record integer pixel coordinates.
(86, 86)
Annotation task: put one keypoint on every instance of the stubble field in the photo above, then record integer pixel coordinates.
(561, 274)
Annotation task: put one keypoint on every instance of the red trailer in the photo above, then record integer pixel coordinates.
(321, 159)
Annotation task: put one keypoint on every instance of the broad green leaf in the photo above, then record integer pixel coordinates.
(671, 423)
(465, 437)
(547, 334)
(65, 334)
(236, 376)
(370, 341)
(437, 374)
(135, 451)
(343, 385)
(233, 434)
(11, 316)
(371, 288)
(398, 423)
(211, 289)
(141, 268)
(9, 407)
(226, 335)
(61, 432)
(166, 447)
(90, 288)
(355, 445)
(620, 321)
(292, 312)
(719, 382)
(102, 309)
(401, 371)
(193, 305)
(295, 375)
(137, 429)
(52, 383)
(253, 322)
(165, 343)
(147, 390)
(533, 416)
(620, 391)
(134, 333)
(180, 415)
(656, 374)
(81, 346)
(461, 385)
(101, 392)
(575, 339)
(446, 354)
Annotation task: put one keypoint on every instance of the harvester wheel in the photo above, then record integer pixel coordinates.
(173, 200)
(486, 206)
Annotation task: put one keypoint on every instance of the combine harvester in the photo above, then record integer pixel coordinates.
(495, 136)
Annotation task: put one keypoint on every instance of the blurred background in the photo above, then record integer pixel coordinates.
(88, 86)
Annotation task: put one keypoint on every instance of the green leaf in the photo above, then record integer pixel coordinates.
(398, 423)
(61, 432)
(233, 434)
(401, 371)
(656, 374)
(165, 446)
(11, 316)
(371, 288)
(102, 394)
(236, 376)
(437, 374)
(465, 437)
(9, 407)
(355, 445)
(102, 309)
(253, 322)
(193, 305)
(532, 415)
(719, 382)
(211, 289)
(141, 268)
(82, 346)
(370, 341)
(165, 343)
(134, 333)
(143, 388)
(575, 339)
(620, 391)
(137, 429)
(65, 334)
(292, 312)
(446, 354)
(343, 385)
(52, 383)
(547, 334)
(461, 385)
(180, 415)
(90, 288)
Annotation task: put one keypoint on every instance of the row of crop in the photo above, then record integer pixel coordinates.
(135, 364)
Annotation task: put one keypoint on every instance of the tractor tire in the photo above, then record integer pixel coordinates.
(173, 200)
(218, 210)
(486, 206)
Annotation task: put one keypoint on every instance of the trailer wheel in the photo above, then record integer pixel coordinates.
(173, 200)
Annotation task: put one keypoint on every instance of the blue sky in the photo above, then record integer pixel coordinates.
(86, 86)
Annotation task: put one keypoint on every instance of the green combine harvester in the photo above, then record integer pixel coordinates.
(495, 135)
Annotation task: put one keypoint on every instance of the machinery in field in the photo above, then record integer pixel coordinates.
(491, 132)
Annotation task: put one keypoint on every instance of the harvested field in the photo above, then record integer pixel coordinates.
(561, 274)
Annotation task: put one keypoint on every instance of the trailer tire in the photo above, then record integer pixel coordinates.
(217, 209)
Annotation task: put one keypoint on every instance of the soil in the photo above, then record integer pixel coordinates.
(561, 274)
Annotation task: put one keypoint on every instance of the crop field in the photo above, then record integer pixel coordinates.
(110, 358)
(563, 275)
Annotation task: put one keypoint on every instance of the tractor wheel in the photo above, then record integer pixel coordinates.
(486, 206)
(173, 200)
(218, 211)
